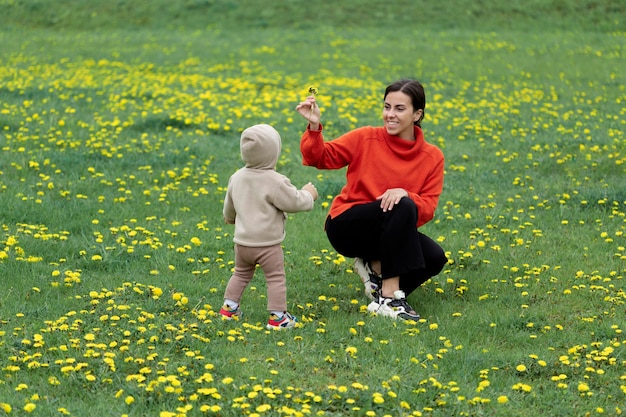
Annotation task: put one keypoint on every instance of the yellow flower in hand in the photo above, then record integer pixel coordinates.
(313, 92)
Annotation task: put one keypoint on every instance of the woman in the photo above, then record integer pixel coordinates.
(394, 180)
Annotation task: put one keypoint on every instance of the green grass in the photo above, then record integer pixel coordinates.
(592, 15)
(116, 147)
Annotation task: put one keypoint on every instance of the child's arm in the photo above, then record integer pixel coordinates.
(290, 199)
(228, 210)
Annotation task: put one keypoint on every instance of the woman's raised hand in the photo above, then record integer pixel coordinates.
(310, 111)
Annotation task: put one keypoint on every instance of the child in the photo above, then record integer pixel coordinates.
(257, 200)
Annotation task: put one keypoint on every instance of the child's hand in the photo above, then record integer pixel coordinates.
(311, 189)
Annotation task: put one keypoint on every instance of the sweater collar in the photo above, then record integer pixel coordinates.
(403, 146)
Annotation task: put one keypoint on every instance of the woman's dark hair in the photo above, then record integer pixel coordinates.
(413, 89)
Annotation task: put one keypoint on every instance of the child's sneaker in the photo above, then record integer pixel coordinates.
(286, 321)
(395, 307)
(229, 313)
(371, 281)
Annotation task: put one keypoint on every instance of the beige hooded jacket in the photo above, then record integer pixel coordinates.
(258, 197)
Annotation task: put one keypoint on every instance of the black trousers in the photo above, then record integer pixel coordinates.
(365, 231)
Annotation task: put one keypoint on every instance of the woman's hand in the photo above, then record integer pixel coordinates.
(310, 111)
(391, 197)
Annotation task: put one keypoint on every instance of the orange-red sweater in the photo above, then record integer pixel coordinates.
(376, 162)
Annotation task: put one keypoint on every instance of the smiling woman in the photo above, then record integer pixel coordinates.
(394, 180)
(402, 111)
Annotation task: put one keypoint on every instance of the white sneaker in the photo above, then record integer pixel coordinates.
(371, 281)
(395, 307)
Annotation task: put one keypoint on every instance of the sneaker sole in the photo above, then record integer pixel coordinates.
(270, 327)
(233, 317)
(386, 311)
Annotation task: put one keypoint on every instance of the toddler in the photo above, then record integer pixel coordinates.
(256, 202)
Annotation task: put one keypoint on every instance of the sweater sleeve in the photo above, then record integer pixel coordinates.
(229, 207)
(334, 154)
(428, 197)
(289, 199)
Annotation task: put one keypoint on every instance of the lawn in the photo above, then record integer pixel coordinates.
(116, 148)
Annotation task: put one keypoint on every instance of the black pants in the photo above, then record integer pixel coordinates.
(365, 231)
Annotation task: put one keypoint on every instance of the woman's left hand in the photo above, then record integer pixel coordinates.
(391, 197)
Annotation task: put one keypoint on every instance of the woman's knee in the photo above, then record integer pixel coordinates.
(406, 203)
(404, 209)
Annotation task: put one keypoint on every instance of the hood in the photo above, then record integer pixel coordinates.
(260, 147)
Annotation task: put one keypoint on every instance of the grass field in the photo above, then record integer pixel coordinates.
(116, 147)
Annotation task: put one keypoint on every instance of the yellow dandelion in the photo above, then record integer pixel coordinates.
(156, 292)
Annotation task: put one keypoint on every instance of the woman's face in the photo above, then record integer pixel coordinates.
(399, 116)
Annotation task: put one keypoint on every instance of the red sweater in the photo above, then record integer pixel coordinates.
(376, 162)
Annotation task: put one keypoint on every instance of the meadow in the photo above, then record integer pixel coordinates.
(116, 148)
